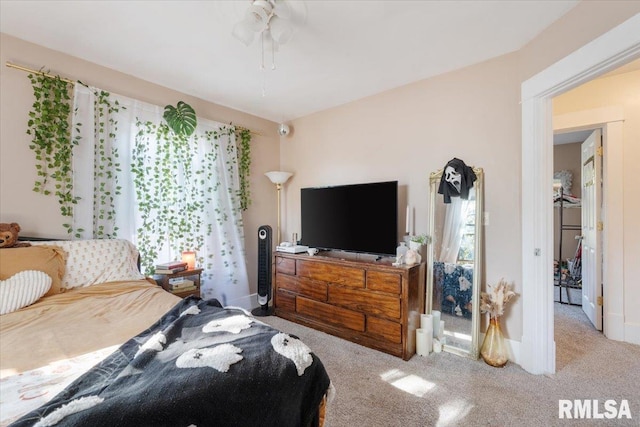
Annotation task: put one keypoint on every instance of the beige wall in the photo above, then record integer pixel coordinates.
(409, 132)
(39, 215)
(567, 157)
(622, 90)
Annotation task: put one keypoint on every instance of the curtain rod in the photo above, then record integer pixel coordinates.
(42, 73)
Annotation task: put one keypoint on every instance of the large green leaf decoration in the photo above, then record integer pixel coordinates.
(181, 119)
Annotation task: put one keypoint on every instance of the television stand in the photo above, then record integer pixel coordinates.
(369, 302)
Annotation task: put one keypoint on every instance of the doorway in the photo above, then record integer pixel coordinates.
(611, 50)
(577, 209)
(567, 217)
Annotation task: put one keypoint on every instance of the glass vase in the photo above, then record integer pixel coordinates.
(493, 350)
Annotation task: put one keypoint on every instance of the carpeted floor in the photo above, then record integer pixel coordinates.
(376, 389)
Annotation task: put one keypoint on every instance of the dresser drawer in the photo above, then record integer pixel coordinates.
(286, 266)
(285, 301)
(384, 329)
(330, 314)
(384, 282)
(347, 276)
(365, 301)
(302, 286)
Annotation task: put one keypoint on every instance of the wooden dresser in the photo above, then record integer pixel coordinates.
(371, 303)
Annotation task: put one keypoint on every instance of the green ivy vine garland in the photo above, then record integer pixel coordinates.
(173, 191)
(170, 210)
(180, 205)
(49, 126)
(50, 131)
(244, 167)
(106, 166)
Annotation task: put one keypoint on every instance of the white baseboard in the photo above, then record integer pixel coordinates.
(632, 333)
(248, 302)
(514, 351)
(614, 327)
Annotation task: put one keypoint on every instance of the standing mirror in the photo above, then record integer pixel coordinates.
(454, 261)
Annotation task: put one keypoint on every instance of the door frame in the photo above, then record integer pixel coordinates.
(611, 50)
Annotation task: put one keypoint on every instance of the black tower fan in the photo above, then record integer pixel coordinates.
(264, 271)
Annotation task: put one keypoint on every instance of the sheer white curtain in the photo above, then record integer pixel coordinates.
(452, 231)
(453, 227)
(88, 161)
(222, 249)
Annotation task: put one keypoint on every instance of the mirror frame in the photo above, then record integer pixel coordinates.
(434, 181)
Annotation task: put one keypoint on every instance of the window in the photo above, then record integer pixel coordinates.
(467, 240)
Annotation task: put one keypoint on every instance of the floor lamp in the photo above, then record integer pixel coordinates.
(278, 178)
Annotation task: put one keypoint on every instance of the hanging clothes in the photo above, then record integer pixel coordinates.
(457, 179)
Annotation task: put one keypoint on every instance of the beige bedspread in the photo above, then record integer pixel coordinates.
(78, 322)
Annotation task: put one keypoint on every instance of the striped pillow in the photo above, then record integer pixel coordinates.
(22, 289)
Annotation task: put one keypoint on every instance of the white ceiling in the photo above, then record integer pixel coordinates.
(571, 137)
(346, 50)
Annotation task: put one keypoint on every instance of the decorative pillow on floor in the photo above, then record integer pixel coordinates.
(23, 289)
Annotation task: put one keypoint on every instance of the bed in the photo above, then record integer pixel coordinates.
(106, 346)
(453, 287)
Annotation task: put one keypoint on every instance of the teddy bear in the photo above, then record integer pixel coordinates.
(9, 236)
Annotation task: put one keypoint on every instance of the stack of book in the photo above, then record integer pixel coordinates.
(180, 284)
(171, 267)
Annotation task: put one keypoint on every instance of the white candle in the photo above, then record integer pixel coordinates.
(437, 346)
(436, 322)
(425, 320)
(421, 342)
(411, 220)
(407, 220)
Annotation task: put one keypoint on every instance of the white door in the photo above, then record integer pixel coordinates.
(591, 228)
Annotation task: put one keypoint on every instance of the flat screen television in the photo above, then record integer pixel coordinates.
(356, 218)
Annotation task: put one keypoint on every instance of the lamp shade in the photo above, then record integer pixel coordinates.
(258, 15)
(281, 30)
(243, 32)
(279, 177)
(282, 8)
(190, 258)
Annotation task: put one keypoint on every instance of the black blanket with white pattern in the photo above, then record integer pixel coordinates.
(199, 365)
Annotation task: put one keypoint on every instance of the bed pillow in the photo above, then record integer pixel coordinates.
(94, 261)
(23, 289)
(48, 259)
